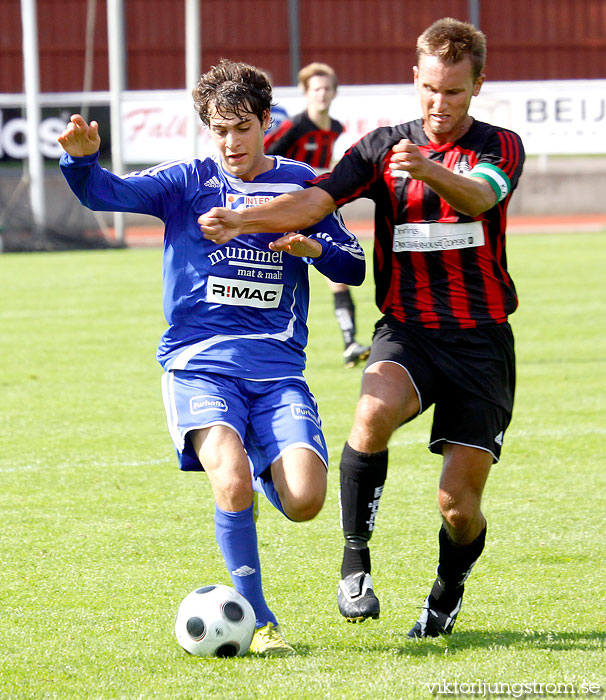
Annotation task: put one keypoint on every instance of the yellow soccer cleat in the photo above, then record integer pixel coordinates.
(268, 641)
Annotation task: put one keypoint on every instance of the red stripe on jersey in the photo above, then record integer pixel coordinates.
(424, 301)
(392, 300)
(447, 213)
(493, 289)
(457, 291)
(355, 193)
(511, 152)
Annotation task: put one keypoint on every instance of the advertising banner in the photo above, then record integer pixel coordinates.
(552, 117)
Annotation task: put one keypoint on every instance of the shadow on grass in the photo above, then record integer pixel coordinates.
(459, 641)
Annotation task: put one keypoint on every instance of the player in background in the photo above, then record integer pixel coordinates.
(236, 402)
(310, 137)
(441, 184)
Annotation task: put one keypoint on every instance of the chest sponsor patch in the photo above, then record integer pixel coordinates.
(199, 404)
(244, 201)
(221, 290)
(301, 412)
(427, 237)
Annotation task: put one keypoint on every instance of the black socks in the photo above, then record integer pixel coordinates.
(455, 564)
(362, 478)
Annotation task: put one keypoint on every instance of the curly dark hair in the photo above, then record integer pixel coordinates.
(233, 88)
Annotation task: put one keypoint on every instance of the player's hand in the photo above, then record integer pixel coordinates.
(408, 157)
(298, 245)
(220, 225)
(79, 137)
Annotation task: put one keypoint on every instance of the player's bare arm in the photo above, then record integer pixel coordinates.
(469, 195)
(79, 137)
(288, 212)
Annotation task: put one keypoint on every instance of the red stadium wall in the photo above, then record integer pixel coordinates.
(367, 41)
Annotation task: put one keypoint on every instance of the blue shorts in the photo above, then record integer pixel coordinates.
(271, 417)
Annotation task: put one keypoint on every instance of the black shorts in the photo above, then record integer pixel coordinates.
(468, 374)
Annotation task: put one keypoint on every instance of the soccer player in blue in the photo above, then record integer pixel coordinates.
(236, 401)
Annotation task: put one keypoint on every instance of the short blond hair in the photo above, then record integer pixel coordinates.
(451, 40)
(313, 69)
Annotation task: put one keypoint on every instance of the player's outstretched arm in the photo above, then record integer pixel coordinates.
(80, 138)
(288, 212)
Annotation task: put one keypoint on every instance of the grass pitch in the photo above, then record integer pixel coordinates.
(102, 536)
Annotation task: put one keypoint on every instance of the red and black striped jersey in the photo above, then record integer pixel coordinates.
(434, 266)
(300, 139)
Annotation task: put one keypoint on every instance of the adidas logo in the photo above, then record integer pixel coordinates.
(318, 439)
(213, 182)
(243, 571)
(499, 439)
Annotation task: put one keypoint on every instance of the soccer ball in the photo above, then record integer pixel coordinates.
(215, 621)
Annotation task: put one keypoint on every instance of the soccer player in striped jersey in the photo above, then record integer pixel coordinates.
(441, 184)
(237, 404)
(310, 137)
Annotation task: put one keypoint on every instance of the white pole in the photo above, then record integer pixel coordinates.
(117, 80)
(474, 13)
(294, 40)
(31, 74)
(192, 67)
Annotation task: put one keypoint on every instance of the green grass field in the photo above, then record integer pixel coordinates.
(102, 535)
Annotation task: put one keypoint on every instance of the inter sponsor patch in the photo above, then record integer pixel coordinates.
(427, 237)
(244, 201)
(221, 290)
(199, 404)
(301, 412)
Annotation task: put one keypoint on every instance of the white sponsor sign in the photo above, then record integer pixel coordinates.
(552, 117)
(301, 412)
(223, 290)
(199, 404)
(156, 130)
(425, 238)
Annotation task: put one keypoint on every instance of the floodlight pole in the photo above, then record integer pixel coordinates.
(31, 74)
(474, 13)
(294, 37)
(117, 82)
(193, 49)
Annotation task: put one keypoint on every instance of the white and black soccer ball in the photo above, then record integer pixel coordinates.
(215, 621)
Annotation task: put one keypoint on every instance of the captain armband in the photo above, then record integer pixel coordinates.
(495, 177)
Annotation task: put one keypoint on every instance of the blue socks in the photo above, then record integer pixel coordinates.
(236, 536)
(263, 484)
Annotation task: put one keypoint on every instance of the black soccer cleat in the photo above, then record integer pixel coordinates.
(356, 599)
(355, 353)
(432, 622)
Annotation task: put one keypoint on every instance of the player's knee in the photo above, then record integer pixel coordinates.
(234, 495)
(457, 521)
(460, 516)
(305, 507)
(374, 423)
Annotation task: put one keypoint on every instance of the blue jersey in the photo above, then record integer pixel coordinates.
(237, 308)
